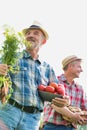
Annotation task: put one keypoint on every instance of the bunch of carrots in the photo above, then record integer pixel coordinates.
(10, 47)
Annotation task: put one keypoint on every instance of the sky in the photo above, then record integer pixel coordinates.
(64, 20)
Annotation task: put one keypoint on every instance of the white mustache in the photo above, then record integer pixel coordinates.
(30, 39)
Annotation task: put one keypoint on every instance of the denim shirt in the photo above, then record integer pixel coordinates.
(26, 80)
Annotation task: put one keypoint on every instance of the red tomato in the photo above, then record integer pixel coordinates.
(42, 87)
(55, 85)
(61, 89)
(50, 89)
(55, 92)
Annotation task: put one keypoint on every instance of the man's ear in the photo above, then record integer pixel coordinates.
(44, 41)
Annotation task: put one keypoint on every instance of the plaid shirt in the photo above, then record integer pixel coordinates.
(77, 96)
(26, 80)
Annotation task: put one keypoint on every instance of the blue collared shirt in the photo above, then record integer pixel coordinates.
(26, 80)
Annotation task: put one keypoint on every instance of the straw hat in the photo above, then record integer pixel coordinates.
(69, 59)
(36, 25)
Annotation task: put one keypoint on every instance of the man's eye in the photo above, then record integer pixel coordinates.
(36, 33)
(28, 33)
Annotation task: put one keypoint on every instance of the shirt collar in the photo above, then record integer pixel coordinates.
(63, 78)
(28, 55)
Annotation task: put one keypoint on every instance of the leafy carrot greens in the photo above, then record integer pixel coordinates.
(11, 46)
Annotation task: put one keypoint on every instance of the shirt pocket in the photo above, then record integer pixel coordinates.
(20, 73)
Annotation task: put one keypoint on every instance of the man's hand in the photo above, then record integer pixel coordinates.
(3, 69)
(84, 119)
(75, 118)
(79, 116)
(61, 102)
